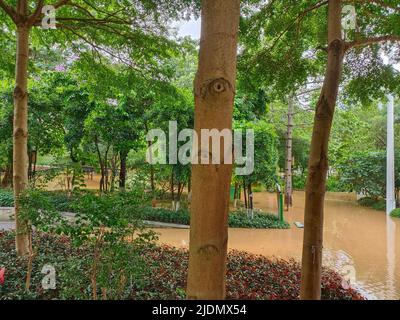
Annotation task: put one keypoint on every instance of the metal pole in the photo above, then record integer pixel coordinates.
(390, 196)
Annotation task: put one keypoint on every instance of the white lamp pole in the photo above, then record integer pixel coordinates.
(390, 197)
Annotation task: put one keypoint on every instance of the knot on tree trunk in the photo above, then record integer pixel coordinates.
(324, 109)
(336, 46)
(19, 93)
(214, 87)
(208, 251)
(20, 133)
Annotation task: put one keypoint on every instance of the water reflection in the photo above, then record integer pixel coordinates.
(360, 243)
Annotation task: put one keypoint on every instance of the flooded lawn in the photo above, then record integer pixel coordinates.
(356, 241)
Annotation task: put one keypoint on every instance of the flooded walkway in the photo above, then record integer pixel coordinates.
(356, 242)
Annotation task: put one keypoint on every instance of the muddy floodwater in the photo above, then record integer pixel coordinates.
(360, 243)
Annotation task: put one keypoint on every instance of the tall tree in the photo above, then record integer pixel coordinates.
(292, 34)
(289, 156)
(214, 96)
(318, 162)
(95, 26)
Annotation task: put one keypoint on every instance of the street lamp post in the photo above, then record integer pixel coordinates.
(390, 197)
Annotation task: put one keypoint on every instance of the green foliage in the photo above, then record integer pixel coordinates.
(6, 198)
(152, 273)
(333, 184)
(121, 269)
(265, 151)
(395, 213)
(366, 173)
(374, 203)
(238, 219)
(299, 182)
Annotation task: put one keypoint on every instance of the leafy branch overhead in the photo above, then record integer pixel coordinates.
(291, 34)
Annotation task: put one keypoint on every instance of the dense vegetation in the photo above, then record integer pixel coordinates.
(82, 97)
(154, 273)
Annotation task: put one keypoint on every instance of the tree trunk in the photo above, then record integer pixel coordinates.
(318, 163)
(214, 95)
(173, 189)
(289, 157)
(251, 206)
(245, 195)
(122, 171)
(236, 194)
(8, 174)
(20, 134)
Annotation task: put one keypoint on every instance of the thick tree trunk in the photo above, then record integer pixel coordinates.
(20, 134)
(214, 95)
(289, 156)
(318, 163)
(122, 170)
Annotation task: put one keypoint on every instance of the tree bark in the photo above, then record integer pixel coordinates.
(214, 96)
(245, 195)
(318, 163)
(289, 156)
(8, 174)
(20, 130)
(122, 171)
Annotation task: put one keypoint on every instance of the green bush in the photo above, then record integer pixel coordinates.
(333, 184)
(149, 273)
(377, 204)
(395, 213)
(299, 182)
(238, 219)
(6, 198)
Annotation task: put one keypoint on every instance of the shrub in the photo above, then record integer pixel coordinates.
(395, 213)
(333, 184)
(238, 219)
(6, 198)
(377, 204)
(101, 226)
(120, 269)
(152, 273)
(299, 182)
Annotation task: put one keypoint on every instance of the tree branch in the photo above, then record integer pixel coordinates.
(300, 17)
(9, 10)
(369, 41)
(60, 3)
(36, 14)
(379, 3)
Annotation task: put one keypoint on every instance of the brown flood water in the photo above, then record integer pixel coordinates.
(360, 243)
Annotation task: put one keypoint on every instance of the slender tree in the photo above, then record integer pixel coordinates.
(318, 162)
(95, 26)
(214, 95)
(287, 34)
(289, 156)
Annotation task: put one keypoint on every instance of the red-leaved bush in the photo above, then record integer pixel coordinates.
(249, 277)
